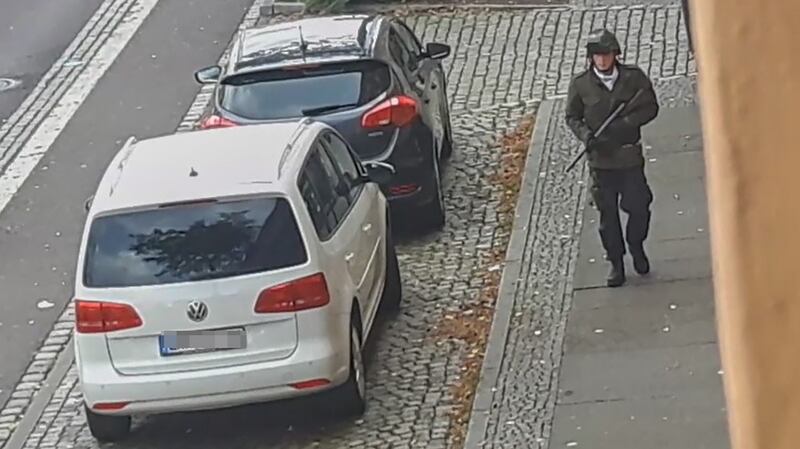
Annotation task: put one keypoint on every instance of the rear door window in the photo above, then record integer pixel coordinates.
(345, 164)
(409, 39)
(192, 242)
(324, 192)
(292, 92)
(400, 53)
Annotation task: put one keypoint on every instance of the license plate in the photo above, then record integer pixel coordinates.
(192, 342)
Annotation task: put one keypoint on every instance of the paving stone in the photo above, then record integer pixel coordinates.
(684, 422)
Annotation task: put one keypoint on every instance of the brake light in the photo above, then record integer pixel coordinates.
(397, 111)
(93, 317)
(216, 121)
(301, 294)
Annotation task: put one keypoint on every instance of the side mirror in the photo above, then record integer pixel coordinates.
(434, 50)
(379, 172)
(208, 75)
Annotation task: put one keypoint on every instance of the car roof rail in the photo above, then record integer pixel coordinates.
(125, 153)
(301, 127)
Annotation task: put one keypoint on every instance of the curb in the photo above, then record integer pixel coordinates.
(496, 344)
(282, 8)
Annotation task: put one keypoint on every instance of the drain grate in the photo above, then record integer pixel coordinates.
(8, 84)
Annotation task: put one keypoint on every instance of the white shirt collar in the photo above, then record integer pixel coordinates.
(610, 79)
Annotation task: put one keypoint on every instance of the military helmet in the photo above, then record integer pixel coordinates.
(602, 41)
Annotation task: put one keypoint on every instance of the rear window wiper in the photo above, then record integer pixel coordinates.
(330, 108)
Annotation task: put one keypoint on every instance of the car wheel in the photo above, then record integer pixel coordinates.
(433, 216)
(352, 395)
(107, 428)
(392, 290)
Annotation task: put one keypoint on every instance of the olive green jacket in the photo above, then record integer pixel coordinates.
(589, 103)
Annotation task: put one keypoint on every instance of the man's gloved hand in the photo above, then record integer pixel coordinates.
(597, 144)
(622, 129)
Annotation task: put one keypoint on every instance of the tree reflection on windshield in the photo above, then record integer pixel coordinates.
(178, 244)
(200, 250)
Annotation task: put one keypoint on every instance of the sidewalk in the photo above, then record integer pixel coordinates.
(641, 367)
(571, 363)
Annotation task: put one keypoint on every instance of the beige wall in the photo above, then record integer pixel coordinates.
(749, 63)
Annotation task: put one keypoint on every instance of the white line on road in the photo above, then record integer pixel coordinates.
(33, 128)
(19, 430)
(21, 166)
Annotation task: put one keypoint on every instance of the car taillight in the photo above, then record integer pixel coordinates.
(93, 317)
(396, 111)
(216, 121)
(301, 294)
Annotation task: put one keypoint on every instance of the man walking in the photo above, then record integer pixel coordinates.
(615, 156)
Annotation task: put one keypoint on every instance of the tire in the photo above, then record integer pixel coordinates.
(447, 142)
(107, 428)
(352, 395)
(433, 215)
(392, 296)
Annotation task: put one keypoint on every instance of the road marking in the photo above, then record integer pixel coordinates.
(16, 434)
(118, 21)
(30, 131)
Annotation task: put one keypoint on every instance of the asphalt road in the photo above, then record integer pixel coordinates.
(145, 92)
(33, 33)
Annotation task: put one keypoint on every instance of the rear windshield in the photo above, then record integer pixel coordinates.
(192, 242)
(286, 93)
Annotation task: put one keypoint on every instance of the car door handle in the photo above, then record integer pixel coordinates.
(349, 257)
(366, 227)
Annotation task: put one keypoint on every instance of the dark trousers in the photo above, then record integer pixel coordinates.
(627, 189)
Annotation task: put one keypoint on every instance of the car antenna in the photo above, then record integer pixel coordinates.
(303, 43)
(192, 173)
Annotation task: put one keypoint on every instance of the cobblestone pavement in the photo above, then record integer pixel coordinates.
(499, 58)
(412, 370)
(505, 56)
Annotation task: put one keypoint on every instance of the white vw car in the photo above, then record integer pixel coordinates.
(232, 266)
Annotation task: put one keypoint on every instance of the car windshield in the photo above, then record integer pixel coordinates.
(291, 92)
(192, 242)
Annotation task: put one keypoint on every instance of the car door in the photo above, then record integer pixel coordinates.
(366, 213)
(330, 210)
(338, 216)
(424, 74)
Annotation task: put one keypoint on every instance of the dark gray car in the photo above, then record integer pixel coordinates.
(367, 76)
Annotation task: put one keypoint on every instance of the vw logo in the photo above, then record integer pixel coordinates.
(197, 311)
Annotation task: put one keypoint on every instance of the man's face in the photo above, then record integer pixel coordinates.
(603, 61)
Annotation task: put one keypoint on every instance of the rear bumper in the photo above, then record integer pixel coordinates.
(413, 184)
(216, 388)
(423, 195)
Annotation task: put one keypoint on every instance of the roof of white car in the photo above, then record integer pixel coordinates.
(202, 164)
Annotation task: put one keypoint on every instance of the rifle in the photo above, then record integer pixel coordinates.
(604, 125)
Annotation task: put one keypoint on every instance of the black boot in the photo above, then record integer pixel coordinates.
(616, 277)
(640, 261)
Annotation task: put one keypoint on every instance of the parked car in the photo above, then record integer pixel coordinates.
(367, 76)
(210, 278)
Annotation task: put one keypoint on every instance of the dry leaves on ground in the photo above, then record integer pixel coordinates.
(471, 326)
